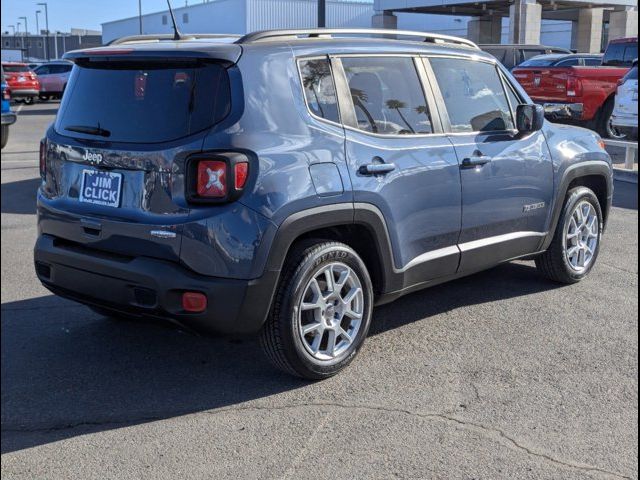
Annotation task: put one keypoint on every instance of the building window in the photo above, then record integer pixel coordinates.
(39, 44)
(164, 19)
(6, 43)
(185, 18)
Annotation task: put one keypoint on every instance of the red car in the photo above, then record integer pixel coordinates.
(580, 94)
(22, 81)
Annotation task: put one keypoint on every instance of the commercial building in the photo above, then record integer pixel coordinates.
(41, 47)
(563, 23)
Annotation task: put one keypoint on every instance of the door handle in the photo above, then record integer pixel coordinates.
(475, 161)
(376, 168)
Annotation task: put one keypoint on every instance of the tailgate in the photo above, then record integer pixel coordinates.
(547, 84)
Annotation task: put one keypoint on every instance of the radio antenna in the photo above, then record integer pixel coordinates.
(176, 33)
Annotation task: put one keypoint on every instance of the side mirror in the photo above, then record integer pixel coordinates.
(529, 118)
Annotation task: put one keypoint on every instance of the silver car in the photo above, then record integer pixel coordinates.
(625, 113)
(53, 78)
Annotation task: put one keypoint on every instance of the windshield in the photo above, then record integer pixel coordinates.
(143, 102)
(15, 68)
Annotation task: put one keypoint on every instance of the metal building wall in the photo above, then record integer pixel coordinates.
(267, 14)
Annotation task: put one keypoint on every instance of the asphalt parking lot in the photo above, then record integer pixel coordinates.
(500, 375)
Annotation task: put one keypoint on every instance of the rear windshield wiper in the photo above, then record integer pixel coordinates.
(89, 130)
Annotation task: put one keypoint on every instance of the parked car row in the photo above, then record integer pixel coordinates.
(8, 117)
(45, 81)
(579, 88)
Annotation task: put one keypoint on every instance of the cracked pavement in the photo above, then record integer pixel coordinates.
(501, 375)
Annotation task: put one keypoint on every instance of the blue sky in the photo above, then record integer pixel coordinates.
(65, 14)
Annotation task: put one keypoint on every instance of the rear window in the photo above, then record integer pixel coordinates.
(15, 68)
(631, 74)
(143, 102)
(620, 54)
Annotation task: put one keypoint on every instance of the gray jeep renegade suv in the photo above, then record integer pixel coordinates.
(286, 182)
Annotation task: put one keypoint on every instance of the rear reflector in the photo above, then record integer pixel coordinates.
(194, 302)
(241, 172)
(212, 179)
(43, 158)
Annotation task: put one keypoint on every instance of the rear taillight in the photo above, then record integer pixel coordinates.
(6, 94)
(218, 177)
(212, 179)
(43, 158)
(574, 86)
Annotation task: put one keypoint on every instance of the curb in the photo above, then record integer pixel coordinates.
(622, 175)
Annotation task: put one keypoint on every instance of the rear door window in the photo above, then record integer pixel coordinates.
(387, 95)
(319, 88)
(147, 102)
(593, 62)
(572, 62)
(473, 95)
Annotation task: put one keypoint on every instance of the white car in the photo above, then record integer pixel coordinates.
(625, 113)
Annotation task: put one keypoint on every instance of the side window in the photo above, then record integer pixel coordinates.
(512, 96)
(630, 53)
(387, 95)
(319, 89)
(592, 62)
(43, 70)
(473, 94)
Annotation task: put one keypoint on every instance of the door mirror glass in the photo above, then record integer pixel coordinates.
(529, 118)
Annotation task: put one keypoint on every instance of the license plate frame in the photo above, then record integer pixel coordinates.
(101, 187)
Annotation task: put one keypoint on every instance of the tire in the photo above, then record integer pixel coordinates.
(43, 98)
(605, 128)
(556, 263)
(282, 339)
(28, 100)
(4, 138)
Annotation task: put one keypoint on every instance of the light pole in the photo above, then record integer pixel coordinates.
(38, 27)
(140, 15)
(46, 21)
(26, 33)
(12, 27)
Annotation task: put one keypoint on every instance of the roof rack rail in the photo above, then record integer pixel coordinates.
(264, 35)
(169, 36)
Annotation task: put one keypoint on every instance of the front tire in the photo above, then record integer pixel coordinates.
(576, 243)
(321, 312)
(28, 100)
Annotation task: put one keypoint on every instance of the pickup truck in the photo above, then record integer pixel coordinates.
(581, 94)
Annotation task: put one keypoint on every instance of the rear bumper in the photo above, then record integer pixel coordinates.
(150, 287)
(24, 92)
(8, 118)
(564, 111)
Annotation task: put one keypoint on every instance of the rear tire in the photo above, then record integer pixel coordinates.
(605, 127)
(28, 100)
(5, 136)
(43, 98)
(576, 243)
(321, 312)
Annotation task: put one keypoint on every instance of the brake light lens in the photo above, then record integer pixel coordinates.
(6, 94)
(574, 86)
(212, 179)
(241, 171)
(43, 158)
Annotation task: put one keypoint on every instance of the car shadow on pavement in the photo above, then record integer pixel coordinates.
(625, 195)
(67, 371)
(36, 111)
(20, 197)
